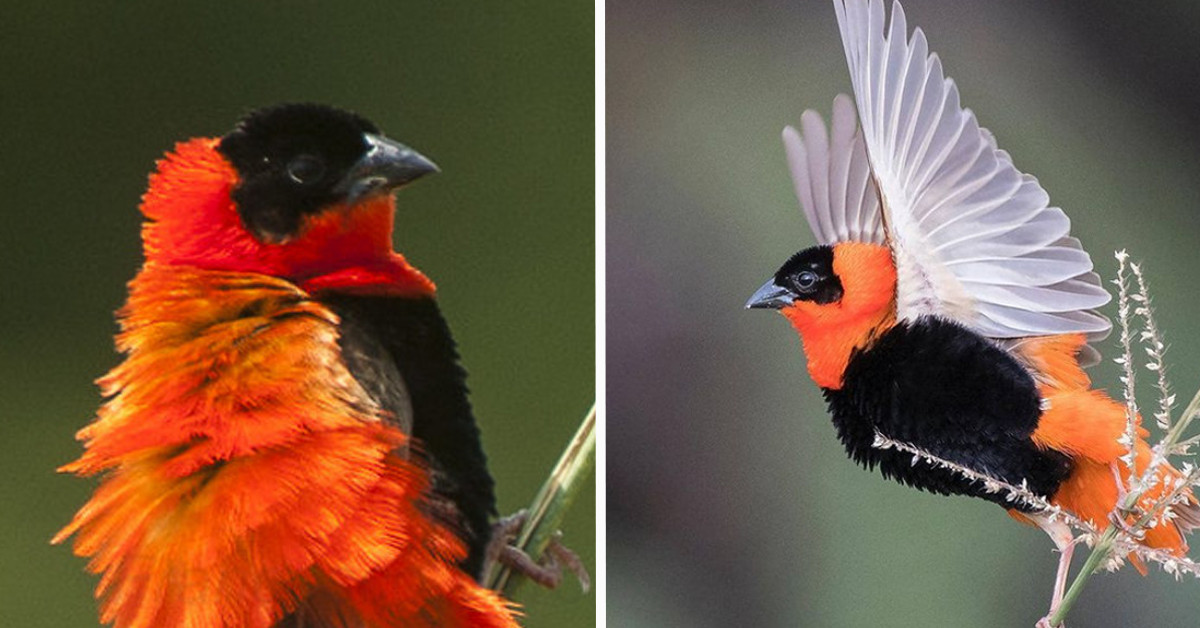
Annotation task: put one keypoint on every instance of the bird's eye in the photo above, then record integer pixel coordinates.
(306, 168)
(805, 280)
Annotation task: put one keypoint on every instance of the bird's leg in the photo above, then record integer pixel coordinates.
(1060, 582)
(1064, 541)
(1118, 516)
(1060, 578)
(548, 571)
(1116, 471)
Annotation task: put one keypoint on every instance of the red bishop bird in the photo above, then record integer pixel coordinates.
(288, 442)
(946, 305)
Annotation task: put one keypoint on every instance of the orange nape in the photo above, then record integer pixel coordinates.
(246, 476)
(1086, 424)
(832, 331)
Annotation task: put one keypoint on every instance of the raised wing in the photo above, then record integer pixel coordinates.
(974, 239)
(833, 178)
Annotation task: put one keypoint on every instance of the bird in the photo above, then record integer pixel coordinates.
(288, 441)
(946, 305)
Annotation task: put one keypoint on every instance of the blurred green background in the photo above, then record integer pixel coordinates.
(730, 501)
(500, 95)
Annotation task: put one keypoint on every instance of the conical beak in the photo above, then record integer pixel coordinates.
(770, 296)
(386, 166)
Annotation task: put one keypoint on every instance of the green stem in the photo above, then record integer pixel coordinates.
(551, 502)
(1185, 419)
(1090, 566)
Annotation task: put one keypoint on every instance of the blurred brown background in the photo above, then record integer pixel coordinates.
(501, 96)
(731, 503)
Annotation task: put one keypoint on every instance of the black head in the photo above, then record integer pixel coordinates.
(806, 276)
(297, 159)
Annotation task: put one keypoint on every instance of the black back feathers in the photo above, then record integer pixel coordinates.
(937, 385)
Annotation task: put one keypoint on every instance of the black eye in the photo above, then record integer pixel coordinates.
(306, 168)
(805, 280)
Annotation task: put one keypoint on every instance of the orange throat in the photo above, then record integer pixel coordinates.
(832, 332)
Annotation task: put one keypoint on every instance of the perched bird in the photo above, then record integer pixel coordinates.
(946, 306)
(288, 442)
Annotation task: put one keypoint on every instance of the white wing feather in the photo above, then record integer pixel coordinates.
(973, 238)
(833, 178)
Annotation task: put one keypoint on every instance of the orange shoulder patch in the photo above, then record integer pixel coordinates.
(1054, 360)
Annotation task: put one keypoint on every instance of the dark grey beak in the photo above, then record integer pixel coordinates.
(770, 296)
(386, 166)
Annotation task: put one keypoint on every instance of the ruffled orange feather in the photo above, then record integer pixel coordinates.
(247, 476)
(1086, 425)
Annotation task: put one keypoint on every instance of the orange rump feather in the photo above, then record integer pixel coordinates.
(1086, 424)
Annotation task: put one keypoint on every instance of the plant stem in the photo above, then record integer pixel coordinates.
(1090, 566)
(551, 502)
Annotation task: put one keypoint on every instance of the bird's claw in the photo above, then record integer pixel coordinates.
(548, 571)
(1119, 520)
(1045, 622)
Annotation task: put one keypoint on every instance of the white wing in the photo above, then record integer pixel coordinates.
(833, 178)
(973, 238)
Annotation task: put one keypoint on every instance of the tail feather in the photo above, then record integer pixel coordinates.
(1187, 515)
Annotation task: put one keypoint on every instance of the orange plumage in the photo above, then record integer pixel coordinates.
(247, 478)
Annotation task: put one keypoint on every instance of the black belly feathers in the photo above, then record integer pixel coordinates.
(935, 385)
(401, 351)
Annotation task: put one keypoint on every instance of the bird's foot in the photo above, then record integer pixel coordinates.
(1118, 519)
(1121, 514)
(548, 571)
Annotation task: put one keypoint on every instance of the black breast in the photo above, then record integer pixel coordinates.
(401, 351)
(943, 388)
